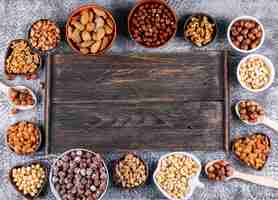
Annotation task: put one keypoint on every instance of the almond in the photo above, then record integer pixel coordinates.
(100, 12)
(95, 47)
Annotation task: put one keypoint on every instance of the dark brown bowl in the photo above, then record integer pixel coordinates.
(210, 18)
(28, 76)
(140, 2)
(45, 167)
(80, 9)
(238, 138)
(115, 178)
(12, 148)
(49, 50)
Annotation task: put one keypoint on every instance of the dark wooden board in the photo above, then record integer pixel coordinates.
(173, 101)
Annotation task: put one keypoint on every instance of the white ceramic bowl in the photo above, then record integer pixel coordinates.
(268, 63)
(52, 188)
(193, 182)
(245, 18)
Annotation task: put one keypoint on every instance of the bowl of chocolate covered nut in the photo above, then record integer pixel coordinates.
(246, 34)
(79, 174)
(152, 23)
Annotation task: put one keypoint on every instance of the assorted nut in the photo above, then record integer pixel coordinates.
(80, 174)
(23, 137)
(252, 150)
(44, 35)
(254, 73)
(219, 170)
(200, 30)
(29, 180)
(130, 171)
(174, 174)
(152, 24)
(21, 97)
(246, 34)
(20, 59)
(91, 30)
(250, 111)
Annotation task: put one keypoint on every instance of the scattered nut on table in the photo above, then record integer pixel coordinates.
(23, 137)
(200, 30)
(252, 150)
(21, 60)
(219, 170)
(174, 174)
(44, 35)
(254, 73)
(130, 171)
(91, 31)
(29, 179)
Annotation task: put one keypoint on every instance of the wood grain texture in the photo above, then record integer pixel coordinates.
(137, 102)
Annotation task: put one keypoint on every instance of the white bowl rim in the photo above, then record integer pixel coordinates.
(241, 18)
(53, 190)
(269, 65)
(193, 181)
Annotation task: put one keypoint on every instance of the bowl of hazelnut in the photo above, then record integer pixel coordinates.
(255, 73)
(91, 30)
(246, 34)
(152, 23)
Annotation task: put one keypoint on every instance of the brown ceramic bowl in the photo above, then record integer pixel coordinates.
(116, 179)
(27, 196)
(211, 20)
(79, 10)
(28, 76)
(139, 3)
(49, 50)
(238, 138)
(37, 147)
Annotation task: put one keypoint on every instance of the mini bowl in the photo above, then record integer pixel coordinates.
(193, 181)
(52, 188)
(245, 18)
(29, 197)
(211, 19)
(11, 147)
(80, 9)
(38, 50)
(28, 76)
(238, 138)
(115, 179)
(268, 63)
(130, 15)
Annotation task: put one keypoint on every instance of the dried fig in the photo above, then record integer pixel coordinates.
(105, 42)
(84, 50)
(76, 36)
(108, 29)
(96, 47)
(77, 25)
(99, 22)
(100, 33)
(86, 43)
(84, 19)
(86, 36)
(90, 27)
(100, 12)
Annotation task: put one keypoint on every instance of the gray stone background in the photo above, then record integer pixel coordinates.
(16, 17)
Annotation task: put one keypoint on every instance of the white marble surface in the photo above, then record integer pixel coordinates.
(17, 15)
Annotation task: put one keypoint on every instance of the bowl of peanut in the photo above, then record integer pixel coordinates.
(177, 175)
(255, 73)
(91, 30)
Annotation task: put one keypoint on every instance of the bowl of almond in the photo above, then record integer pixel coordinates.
(91, 30)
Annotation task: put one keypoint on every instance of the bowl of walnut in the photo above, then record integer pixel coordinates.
(91, 30)
(255, 73)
